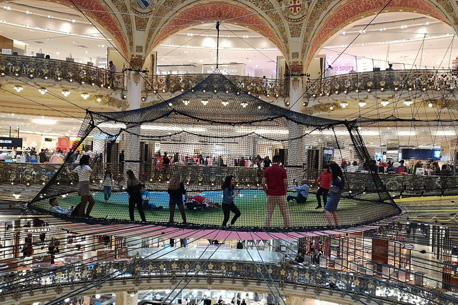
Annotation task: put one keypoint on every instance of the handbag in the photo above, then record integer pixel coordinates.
(335, 189)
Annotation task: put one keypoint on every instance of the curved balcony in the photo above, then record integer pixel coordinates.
(175, 83)
(209, 177)
(53, 282)
(407, 80)
(59, 70)
(403, 80)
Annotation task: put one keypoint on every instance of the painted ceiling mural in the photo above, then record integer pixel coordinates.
(229, 13)
(137, 26)
(349, 11)
(100, 14)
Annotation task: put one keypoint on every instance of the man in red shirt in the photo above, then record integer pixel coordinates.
(275, 184)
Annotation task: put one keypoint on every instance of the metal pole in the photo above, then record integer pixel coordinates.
(217, 43)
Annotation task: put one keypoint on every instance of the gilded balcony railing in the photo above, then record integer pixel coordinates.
(384, 288)
(59, 70)
(181, 82)
(211, 177)
(406, 80)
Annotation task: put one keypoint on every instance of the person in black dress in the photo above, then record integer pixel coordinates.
(267, 162)
(228, 200)
(135, 196)
(176, 191)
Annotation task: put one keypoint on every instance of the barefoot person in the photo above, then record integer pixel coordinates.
(275, 184)
(337, 186)
(135, 196)
(228, 200)
(325, 184)
(176, 191)
(84, 172)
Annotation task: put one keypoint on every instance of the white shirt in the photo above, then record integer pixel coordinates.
(58, 209)
(84, 172)
(107, 182)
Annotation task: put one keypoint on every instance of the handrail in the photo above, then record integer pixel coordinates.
(397, 80)
(284, 273)
(59, 70)
(415, 79)
(268, 87)
(211, 177)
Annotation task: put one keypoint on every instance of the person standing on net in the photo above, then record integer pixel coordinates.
(337, 186)
(325, 184)
(275, 184)
(135, 196)
(176, 191)
(84, 172)
(228, 200)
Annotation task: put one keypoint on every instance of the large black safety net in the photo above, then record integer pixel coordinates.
(203, 135)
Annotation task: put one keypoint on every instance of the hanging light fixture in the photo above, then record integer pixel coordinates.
(343, 105)
(85, 95)
(362, 104)
(43, 90)
(65, 92)
(408, 103)
(225, 103)
(18, 88)
(186, 102)
(384, 103)
(204, 102)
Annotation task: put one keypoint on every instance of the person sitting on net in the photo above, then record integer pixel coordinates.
(57, 209)
(199, 202)
(302, 192)
(146, 198)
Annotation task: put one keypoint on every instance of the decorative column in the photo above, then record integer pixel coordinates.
(134, 95)
(296, 151)
(296, 148)
(127, 298)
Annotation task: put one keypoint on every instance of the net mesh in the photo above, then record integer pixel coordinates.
(215, 130)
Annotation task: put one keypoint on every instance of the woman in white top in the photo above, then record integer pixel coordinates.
(84, 172)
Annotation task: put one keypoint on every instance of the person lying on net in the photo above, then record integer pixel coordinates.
(199, 202)
(57, 209)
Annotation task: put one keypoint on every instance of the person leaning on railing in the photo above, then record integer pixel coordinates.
(112, 69)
